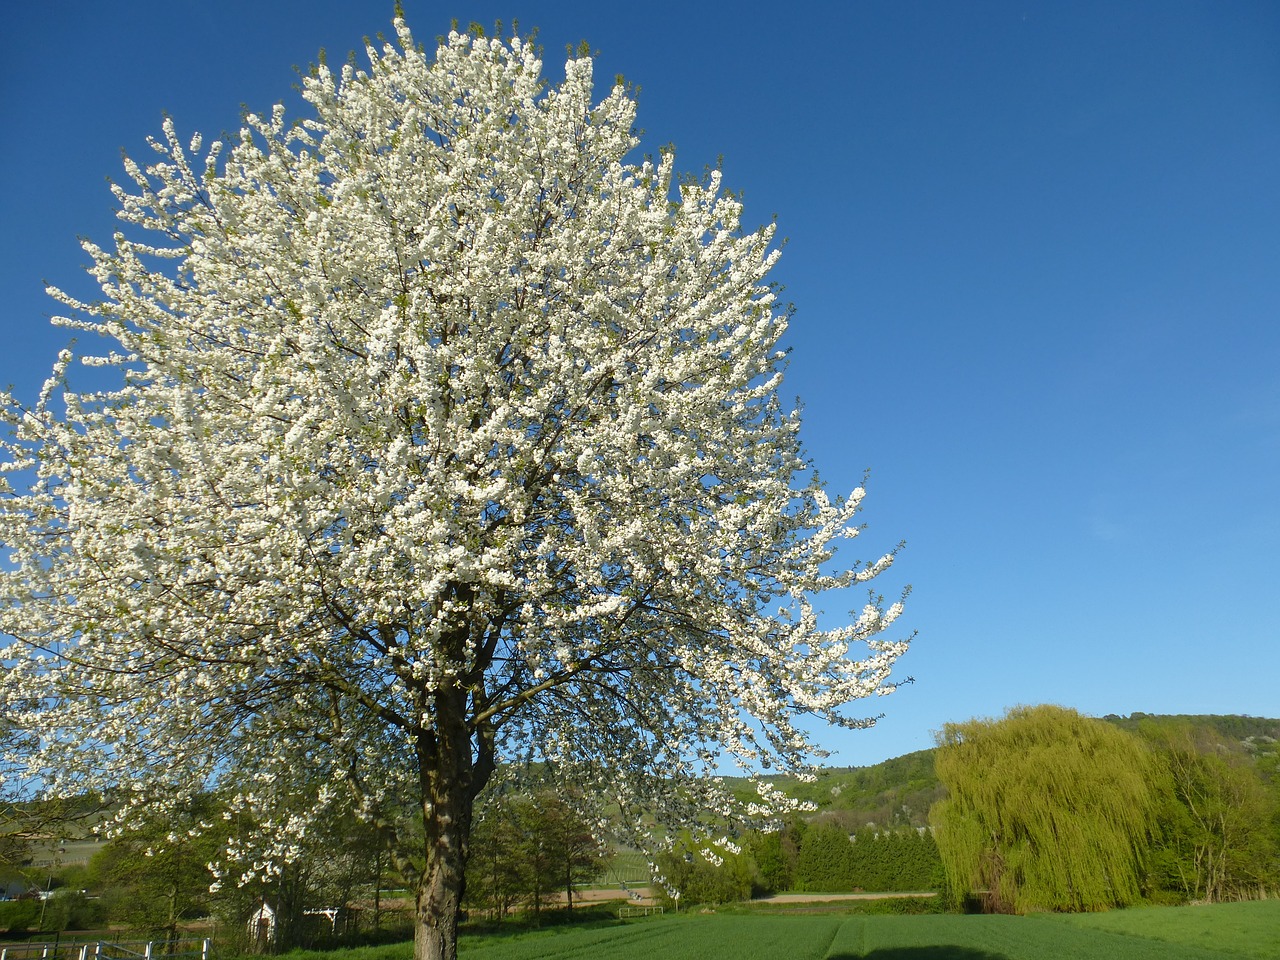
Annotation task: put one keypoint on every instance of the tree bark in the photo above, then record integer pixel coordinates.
(377, 890)
(436, 927)
(453, 771)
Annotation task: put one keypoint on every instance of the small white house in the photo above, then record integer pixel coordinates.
(262, 925)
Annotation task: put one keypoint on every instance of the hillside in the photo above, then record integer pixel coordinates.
(899, 792)
(1251, 734)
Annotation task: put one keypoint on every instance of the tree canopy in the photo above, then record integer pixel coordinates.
(1220, 822)
(1045, 810)
(438, 432)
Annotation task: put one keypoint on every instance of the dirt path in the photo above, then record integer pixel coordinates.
(830, 897)
(640, 896)
(646, 898)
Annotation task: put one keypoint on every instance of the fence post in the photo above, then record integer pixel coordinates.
(146, 951)
(204, 949)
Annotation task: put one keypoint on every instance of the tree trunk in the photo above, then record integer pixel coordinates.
(537, 888)
(447, 818)
(436, 925)
(451, 777)
(377, 890)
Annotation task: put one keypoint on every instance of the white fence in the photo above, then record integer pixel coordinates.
(624, 912)
(107, 950)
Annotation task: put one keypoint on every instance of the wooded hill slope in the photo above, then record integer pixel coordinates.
(899, 792)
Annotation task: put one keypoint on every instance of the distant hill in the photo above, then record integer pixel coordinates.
(895, 793)
(1247, 732)
(899, 792)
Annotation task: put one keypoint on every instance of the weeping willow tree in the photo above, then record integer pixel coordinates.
(1046, 810)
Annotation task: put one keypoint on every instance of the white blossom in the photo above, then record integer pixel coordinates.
(445, 432)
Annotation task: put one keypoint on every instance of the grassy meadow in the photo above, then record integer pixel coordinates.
(1250, 928)
(1232, 931)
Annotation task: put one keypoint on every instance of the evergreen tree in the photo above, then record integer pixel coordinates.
(827, 861)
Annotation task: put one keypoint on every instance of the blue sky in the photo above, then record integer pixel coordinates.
(1034, 251)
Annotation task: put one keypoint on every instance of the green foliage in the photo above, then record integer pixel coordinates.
(819, 856)
(497, 873)
(1218, 827)
(889, 795)
(387, 951)
(155, 877)
(1219, 837)
(36, 835)
(19, 916)
(699, 881)
(776, 854)
(903, 860)
(528, 849)
(826, 861)
(15, 853)
(1046, 810)
(72, 910)
(1222, 728)
(63, 910)
(898, 861)
(341, 861)
(900, 792)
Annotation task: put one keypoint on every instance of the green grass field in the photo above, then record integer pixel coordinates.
(1233, 931)
(1193, 933)
(628, 865)
(1250, 929)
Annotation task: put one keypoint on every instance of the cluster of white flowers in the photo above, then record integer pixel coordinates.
(443, 435)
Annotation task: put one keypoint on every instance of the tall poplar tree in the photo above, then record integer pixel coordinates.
(442, 431)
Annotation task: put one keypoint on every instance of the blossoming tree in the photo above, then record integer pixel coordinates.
(440, 436)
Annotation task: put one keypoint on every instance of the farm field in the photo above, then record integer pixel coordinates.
(1192, 933)
(1251, 928)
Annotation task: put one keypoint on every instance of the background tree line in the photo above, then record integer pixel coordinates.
(1205, 792)
(827, 854)
(1050, 810)
(155, 882)
(1045, 809)
(529, 850)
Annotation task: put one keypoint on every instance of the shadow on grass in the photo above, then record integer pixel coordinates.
(938, 952)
